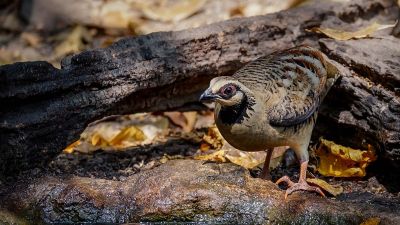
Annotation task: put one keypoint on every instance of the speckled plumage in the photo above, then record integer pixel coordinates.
(273, 101)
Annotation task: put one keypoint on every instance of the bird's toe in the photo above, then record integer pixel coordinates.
(303, 186)
(285, 179)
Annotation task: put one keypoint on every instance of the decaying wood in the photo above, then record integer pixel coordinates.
(187, 190)
(43, 108)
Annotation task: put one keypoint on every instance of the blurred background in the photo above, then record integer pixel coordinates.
(49, 30)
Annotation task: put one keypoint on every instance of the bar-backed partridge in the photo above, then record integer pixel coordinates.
(273, 101)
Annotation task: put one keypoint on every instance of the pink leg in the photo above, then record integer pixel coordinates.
(265, 173)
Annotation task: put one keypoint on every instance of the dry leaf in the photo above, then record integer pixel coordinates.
(33, 39)
(127, 137)
(339, 161)
(122, 133)
(175, 11)
(115, 14)
(347, 35)
(372, 221)
(204, 119)
(110, 135)
(73, 42)
(251, 160)
(186, 120)
(333, 190)
(247, 160)
(213, 139)
(71, 147)
(218, 156)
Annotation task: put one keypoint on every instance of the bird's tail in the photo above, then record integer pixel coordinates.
(333, 74)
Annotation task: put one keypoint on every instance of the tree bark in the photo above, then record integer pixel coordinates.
(183, 191)
(43, 108)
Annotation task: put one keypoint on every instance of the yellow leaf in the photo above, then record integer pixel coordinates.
(247, 160)
(204, 147)
(325, 186)
(128, 136)
(213, 139)
(71, 147)
(218, 156)
(339, 161)
(372, 221)
(122, 132)
(96, 139)
(347, 35)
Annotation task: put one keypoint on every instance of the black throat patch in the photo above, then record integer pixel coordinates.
(237, 113)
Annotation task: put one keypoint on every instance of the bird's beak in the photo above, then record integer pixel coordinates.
(207, 96)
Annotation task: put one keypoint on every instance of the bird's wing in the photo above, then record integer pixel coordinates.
(292, 110)
(291, 83)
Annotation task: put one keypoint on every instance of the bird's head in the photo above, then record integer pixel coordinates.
(225, 90)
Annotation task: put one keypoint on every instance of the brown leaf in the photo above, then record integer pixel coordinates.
(204, 119)
(33, 39)
(218, 156)
(333, 190)
(372, 221)
(73, 42)
(186, 120)
(347, 35)
(175, 11)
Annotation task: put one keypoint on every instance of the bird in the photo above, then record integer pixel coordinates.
(273, 101)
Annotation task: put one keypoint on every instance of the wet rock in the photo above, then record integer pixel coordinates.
(186, 190)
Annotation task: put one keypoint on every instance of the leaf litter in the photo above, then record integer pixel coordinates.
(347, 35)
(226, 152)
(125, 132)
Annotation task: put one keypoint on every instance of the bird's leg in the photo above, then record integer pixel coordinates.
(302, 185)
(265, 173)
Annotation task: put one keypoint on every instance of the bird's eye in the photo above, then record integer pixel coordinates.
(229, 90)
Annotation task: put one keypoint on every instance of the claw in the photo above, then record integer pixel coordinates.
(285, 179)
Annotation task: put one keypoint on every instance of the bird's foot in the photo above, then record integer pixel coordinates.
(300, 186)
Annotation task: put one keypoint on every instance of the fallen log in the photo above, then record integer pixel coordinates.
(43, 108)
(186, 190)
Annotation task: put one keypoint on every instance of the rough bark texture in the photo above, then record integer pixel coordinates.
(186, 190)
(44, 108)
